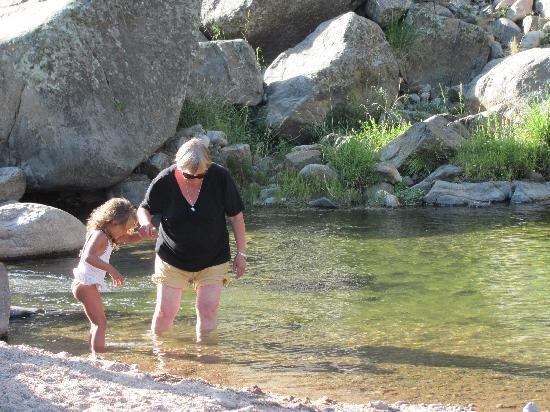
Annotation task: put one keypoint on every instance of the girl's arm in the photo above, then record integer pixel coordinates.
(239, 230)
(95, 248)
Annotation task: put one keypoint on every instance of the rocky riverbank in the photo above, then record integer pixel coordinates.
(36, 380)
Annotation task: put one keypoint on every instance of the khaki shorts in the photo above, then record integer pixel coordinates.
(166, 274)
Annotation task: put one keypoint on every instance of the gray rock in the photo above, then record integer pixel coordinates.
(519, 9)
(430, 61)
(297, 160)
(536, 177)
(532, 23)
(269, 24)
(387, 172)
(5, 299)
(389, 199)
(414, 98)
(217, 138)
(183, 135)
(19, 312)
(511, 83)
(318, 171)
(33, 230)
(505, 30)
(345, 59)
(371, 192)
(531, 40)
(152, 166)
(435, 137)
(237, 154)
(274, 200)
(94, 86)
(226, 70)
(384, 12)
(496, 50)
(468, 194)
(323, 203)
(408, 181)
(12, 183)
(306, 147)
(446, 172)
(542, 7)
(133, 189)
(527, 192)
(269, 191)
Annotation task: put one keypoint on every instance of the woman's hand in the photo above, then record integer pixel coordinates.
(239, 265)
(117, 278)
(148, 231)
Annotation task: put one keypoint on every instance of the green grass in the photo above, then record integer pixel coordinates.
(354, 160)
(402, 38)
(504, 151)
(299, 189)
(238, 123)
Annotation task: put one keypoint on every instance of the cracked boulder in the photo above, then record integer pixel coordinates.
(345, 60)
(268, 24)
(91, 89)
(446, 51)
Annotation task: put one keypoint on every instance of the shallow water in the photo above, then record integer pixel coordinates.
(423, 305)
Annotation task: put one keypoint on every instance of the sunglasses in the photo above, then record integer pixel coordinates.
(188, 176)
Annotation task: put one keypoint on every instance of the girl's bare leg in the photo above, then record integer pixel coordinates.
(90, 298)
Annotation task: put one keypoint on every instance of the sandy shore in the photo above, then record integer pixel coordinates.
(35, 380)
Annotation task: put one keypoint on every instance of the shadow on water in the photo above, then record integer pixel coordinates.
(369, 357)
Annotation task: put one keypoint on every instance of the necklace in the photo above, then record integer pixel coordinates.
(188, 196)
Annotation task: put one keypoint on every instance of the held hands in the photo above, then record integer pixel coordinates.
(117, 278)
(239, 265)
(148, 231)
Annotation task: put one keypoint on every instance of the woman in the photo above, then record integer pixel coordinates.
(193, 197)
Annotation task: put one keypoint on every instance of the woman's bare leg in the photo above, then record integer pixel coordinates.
(168, 305)
(206, 305)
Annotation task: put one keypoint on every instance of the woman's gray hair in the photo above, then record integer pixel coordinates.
(193, 155)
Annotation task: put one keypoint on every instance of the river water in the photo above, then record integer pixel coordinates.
(423, 305)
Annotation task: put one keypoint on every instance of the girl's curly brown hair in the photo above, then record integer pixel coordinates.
(116, 210)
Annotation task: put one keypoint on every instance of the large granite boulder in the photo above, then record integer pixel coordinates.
(4, 302)
(519, 9)
(12, 183)
(299, 159)
(512, 83)
(446, 51)
(527, 192)
(435, 137)
(91, 88)
(33, 230)
(315, 171)
(227, 71)
(346, 59)
(269, 24)
(468, 194)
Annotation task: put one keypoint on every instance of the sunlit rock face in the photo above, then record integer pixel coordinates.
(91, 89)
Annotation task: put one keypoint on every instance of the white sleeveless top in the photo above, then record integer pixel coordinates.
(90, 275)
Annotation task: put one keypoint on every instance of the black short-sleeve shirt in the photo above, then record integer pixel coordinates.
(193, 240)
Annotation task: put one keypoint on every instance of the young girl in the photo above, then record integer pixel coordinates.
(109, 225)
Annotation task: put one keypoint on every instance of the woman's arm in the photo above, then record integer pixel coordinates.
(239, 230)
(147, 228)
